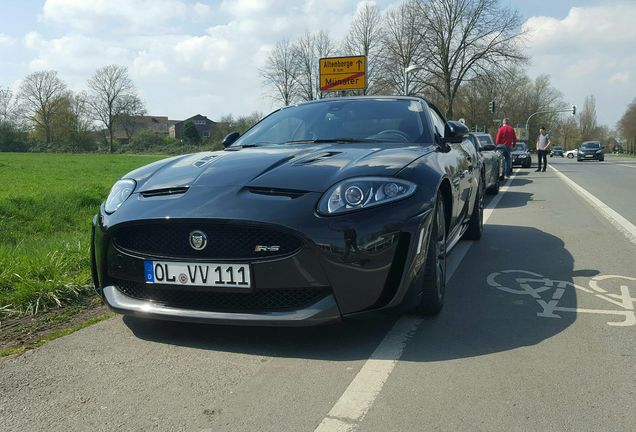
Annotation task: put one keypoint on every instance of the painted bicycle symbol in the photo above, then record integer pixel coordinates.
(548, 293)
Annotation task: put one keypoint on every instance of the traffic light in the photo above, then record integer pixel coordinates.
(491, 106)
(573, 109)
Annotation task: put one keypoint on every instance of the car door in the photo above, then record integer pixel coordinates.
(457, 166)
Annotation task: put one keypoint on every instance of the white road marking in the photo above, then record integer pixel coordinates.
(537, 284)
(357, 399)
(625, 165)
(618, 221)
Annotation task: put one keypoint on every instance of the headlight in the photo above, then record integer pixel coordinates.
(363, 192)
(598, 151)
(118, 194)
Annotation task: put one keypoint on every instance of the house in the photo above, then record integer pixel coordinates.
(203, 125)
(128, 126)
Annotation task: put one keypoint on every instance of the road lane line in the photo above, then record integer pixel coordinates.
(625, 165)
(357, 399)
(618, 221)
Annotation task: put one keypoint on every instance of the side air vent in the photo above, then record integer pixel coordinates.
(289, 193)
(316, 158)
(164, 192)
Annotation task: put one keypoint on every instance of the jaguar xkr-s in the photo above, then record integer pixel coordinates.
(321, 211)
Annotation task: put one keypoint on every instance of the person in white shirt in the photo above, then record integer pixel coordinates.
(543, 142)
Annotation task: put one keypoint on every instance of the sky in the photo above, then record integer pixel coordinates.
(199, 56)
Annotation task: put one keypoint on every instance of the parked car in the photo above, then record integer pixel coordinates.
(590, 150)
(570, 154)
(492, 160)
(520, 155)
(320, 211)
(556, 151)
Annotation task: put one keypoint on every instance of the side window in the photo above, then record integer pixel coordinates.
(438, 123)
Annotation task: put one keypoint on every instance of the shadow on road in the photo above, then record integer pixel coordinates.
(477, 319)
(493, 302)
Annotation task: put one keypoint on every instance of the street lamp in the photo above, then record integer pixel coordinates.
(411, 68)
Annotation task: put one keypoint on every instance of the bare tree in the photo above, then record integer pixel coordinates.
(587, 119)
(9, 107)
(280, 73)
(402, 46)
(113, 95)
(465, 39)
(307, 52)
(627, 126)
(365, 38)
(42, 95)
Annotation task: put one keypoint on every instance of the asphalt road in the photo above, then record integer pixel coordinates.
(536, 335)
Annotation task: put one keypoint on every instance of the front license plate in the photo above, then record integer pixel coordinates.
(198, 274)
(589, 155)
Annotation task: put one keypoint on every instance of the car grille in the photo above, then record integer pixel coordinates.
(259, 300)
(225, 241)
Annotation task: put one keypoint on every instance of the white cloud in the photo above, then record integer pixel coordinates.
(6, 40)
(128, 16)
(585, 51)
(620, 78)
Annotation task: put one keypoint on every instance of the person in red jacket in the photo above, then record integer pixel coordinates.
(506, 135)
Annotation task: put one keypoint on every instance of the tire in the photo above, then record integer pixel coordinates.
(570, 156)
(476, 223)
(578, 160)
(494, 189)
(433, 280)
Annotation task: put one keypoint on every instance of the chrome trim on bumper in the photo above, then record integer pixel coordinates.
(320, 312)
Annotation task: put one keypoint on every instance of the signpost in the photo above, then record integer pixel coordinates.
(343, 73)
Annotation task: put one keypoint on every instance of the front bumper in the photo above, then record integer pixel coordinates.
(521, 160)
(323, 311)
(361, 262)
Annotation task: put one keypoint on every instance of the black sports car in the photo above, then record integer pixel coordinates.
(320, 211)
(492, 160)
(520, 155)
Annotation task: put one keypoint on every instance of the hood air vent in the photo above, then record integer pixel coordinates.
(316, 158)
(164, 192)
(289, 193)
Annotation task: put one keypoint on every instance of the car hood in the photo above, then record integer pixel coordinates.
(519, 152)
(299, 167)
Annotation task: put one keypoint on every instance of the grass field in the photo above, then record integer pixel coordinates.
(47, 202)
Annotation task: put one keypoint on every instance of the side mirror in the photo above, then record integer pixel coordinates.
(455, 132)
(230, 138)
(488, 147)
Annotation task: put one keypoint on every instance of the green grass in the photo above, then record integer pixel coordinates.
(47, 202)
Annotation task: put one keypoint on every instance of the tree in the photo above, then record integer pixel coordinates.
(42, 95)
(402, 46)
(113, 95)
(365, 38)
(307, 52)
(587, 119)
(280, 73)
(627, 125)
(190, 133)
(9, 107)
(465, 39)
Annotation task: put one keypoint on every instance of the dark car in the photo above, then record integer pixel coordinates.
(556, 151)
(590, 150)
(320, 211)
(491, 159)
(520, 155)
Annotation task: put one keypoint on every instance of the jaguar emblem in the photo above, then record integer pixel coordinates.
(198, 240)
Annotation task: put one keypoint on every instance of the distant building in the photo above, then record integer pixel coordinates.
(203, 125)
(126, 128)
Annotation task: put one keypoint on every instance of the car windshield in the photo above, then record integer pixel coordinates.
(591, 145)
(342, 120)
(520, 147)
(484, 140)
(557, 148)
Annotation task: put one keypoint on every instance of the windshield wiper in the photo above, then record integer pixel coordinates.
(332, 140)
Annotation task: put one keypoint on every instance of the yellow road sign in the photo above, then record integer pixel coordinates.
(343, 73)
